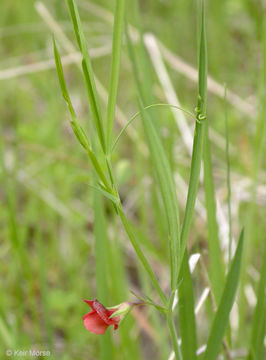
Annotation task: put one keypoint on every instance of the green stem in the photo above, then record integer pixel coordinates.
(172, 329)
(141, 256)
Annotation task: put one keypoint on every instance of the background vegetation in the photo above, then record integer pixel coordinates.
(49, 257)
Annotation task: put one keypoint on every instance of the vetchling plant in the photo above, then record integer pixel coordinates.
(100, 144)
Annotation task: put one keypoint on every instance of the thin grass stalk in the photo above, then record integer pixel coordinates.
(256, 347)
(44, 292)
(258, 154)
(115, 65)
(120, 292)
(172, 329)
(87, 72)
(228, 179)
(101, 258)
(199, 135)
(13, 233)
(5, 332)
(143, 59)
(141, 256)
(216, 270)
(167, 190)
(221, 318)
(186, 306)
(160, 341)
(76, 127)
(163, 174)
(102, 250)
(84, 141)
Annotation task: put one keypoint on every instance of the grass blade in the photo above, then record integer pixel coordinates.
(257, 166)
(216, 272)
(120, 289)
(164, 176)
(221, 318)
(172, 329)
(141, 256)
(77, 129)
(62, 81)
(115, 64)
(88, 72)
(167, 190)
(198, 136)
(228, 179)
(186, 312)
(259, 317)
(101, 256)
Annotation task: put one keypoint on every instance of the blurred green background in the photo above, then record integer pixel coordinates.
(47, 261)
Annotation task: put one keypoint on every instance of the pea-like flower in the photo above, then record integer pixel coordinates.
(98, 320)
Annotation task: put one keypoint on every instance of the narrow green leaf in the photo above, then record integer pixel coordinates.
(80, 135)
(144, 60)
(257, 166)
(257, 349)
(228, 179)
(203, 65)
(141, 256)
(115, 64)
(6, 335)
(172, 329)
(167, 189)
(164, 176)
(101, 257)
(216, 270)
(78, 130)
(198, 137)
(105, 193)
(186, 312)
(221, 318)
(62, 81)
(259, 317)
(119, 283)
(87, 70)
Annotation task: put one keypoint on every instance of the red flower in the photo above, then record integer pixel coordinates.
(98, 320)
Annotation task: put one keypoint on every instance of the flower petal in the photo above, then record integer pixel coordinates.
(88, 314)
(94, 323)
(89, 302)
(103, 312)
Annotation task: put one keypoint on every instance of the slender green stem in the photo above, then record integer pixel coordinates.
(198, 139)
(141, 256)
(87, 72)
(172, 329)
(228, 180)
(216, 269)
(115, 64)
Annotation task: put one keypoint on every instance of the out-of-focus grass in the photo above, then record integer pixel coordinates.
(45, 201)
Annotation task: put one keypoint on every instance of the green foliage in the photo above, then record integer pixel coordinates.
(186, 310)
(62, 240)
(87, 71)
(221, 318)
